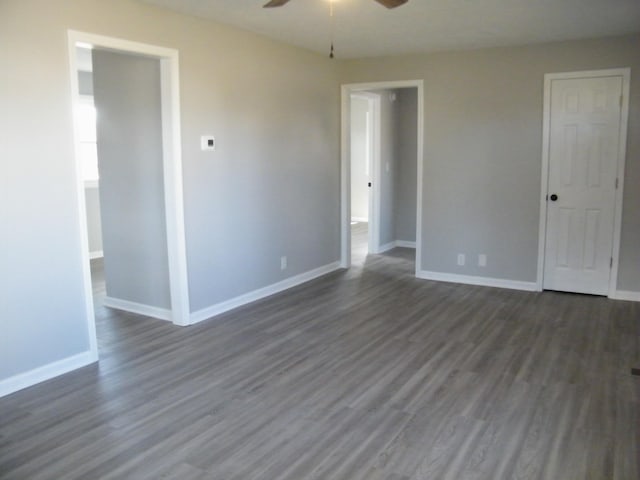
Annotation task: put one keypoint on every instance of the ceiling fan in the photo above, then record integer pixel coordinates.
(386, 3)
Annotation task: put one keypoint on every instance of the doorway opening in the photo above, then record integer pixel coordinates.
(381, 169)
(169, 199)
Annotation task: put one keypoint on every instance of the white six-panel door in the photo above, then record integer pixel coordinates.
(584, 132)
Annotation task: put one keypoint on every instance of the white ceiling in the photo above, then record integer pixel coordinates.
(363, 28)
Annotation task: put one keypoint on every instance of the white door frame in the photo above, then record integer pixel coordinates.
(172, 171)
(373, 193)
(345, 163)
(625, 74)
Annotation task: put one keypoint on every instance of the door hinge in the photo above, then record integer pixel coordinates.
(616, 183)
(611, 262)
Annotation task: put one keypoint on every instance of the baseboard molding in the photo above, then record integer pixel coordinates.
(360, 219)
(396, 243)
(626, 295)
(96, 254)
(139, 308)
(217, 309)
(386, 247)
(481, 281)
(46, 372)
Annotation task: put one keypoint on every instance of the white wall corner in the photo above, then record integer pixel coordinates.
(626, 295)
(138, 308)
(480, 281)
(46, 372)
(219, 308)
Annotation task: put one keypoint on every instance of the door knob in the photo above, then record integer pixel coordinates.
(368, 184)
(553, 197)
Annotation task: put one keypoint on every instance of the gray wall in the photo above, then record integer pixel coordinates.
(359, 175)
(398, 164)
(407, 168)
(270, 189)
(42, 307)
(129, 135)
(483, 149)
(94, 228)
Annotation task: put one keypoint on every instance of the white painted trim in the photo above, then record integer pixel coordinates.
(172, 165)
(396, 243)
(625, 74)
(91, 184)
(96, 254)
(138, 308)
(212, 311)
(626, 295)
(405, 244)
(481, 281)
(83, 229)
(345, 162)
(173, 186)
(345, 178)
(386, 247)
(622, 156)
(360, 219)
(46, 372)
(420, 175)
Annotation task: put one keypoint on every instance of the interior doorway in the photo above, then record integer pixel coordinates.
(381, 158)
(583, 173)
(364, 150)
(170, 167)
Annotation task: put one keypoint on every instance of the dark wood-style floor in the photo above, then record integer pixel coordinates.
(362, 374)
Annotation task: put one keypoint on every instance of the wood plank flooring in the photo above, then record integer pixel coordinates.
(361, 374)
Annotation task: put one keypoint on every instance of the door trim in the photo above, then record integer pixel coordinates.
(625, 74)
(345, 163)
(172, 170)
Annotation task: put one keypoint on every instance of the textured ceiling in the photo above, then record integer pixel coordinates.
(363, 28)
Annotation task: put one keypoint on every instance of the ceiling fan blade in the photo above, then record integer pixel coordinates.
(392, 3)
(275, 3)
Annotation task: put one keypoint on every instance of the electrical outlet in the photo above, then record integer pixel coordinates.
(283, 263)
(461, 259)
(482, 260)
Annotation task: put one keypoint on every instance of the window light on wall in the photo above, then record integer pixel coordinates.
(88, 148)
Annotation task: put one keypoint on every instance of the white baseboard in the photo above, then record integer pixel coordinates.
(46, 372)
(386, 247)
(396, 243)
(139, 308)
(96, 254)
(626, 295)
(482, 281)
(360, 219)
(236, 302)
